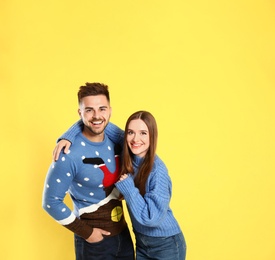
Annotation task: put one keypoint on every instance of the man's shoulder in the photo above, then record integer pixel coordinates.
(82, 144)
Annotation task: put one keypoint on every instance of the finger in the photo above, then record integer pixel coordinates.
(124, 176)
(67, 147)
(105, 233)
(57, 151)
(55, 154)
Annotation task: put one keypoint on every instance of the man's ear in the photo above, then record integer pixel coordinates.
(79, 112)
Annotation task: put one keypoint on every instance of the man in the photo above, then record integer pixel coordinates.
(88, 173)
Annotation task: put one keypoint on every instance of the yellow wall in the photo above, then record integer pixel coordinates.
(205, 69)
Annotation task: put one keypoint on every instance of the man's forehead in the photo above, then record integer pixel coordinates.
(95, 101)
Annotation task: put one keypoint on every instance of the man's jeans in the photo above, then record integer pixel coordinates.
(110, 248)
(164, 248)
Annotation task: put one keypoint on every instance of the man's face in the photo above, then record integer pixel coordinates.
(95, 112)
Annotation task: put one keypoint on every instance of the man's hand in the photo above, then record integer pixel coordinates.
(58, 148)
(97, 235)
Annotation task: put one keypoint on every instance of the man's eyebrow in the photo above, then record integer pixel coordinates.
(93, 107)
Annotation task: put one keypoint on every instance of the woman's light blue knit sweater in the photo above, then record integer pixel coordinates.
(151, 214)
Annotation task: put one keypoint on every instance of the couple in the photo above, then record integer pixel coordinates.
(91, 173)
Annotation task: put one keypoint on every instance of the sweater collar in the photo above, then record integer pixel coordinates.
(138, 160)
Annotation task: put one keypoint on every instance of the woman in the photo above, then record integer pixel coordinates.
(146, 187)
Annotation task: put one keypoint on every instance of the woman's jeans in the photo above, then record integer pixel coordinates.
(110, 248)
(160, 248)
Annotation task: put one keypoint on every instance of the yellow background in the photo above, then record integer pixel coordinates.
(205, 69)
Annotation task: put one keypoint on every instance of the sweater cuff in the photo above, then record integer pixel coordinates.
(72, 132)
(80, 228)
(126, 186)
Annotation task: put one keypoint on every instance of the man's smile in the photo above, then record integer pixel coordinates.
(97, 122)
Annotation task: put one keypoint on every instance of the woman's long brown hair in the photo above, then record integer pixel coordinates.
(127, 156)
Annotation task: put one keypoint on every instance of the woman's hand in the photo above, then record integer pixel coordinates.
(123, 177)
(58, 148)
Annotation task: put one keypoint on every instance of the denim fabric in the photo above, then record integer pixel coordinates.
(160, 248)
(110, 248)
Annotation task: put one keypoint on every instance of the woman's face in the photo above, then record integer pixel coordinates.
(138, 137)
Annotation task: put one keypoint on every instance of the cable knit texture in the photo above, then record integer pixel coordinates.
(151, 215)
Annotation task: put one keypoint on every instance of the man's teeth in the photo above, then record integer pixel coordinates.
(97, 123)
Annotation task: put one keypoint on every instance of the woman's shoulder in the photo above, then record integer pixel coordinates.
(158, 160)
(159, 173)
(159, 165)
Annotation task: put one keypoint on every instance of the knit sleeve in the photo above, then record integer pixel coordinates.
(115, 134)
(72, 132)
(57, 183)
(153, 207)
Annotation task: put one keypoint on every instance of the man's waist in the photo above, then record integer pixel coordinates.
(109, 217)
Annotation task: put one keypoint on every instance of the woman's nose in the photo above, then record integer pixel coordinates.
(135, 138)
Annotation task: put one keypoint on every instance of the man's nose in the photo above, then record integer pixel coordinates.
(96, 114)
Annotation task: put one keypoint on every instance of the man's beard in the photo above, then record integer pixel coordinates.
(96, 131)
